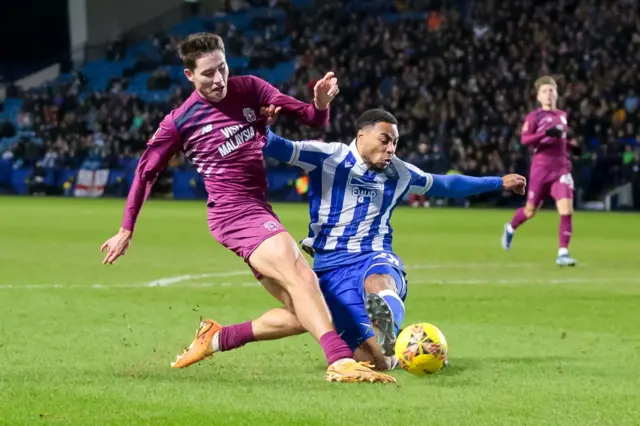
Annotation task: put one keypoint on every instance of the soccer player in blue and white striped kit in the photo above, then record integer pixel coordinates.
(353, 191)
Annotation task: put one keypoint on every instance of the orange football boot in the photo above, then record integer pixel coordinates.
(350, 371)
(201, 347)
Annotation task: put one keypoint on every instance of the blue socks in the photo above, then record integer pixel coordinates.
(396, 305)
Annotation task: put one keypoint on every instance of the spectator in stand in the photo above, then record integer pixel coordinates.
(459, 84)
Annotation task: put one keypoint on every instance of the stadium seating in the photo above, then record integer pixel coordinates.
(454, 64)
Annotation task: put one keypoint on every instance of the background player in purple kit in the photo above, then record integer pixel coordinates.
(545, 130)
(219, 128)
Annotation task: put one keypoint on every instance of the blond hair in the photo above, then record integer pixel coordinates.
(545, 80)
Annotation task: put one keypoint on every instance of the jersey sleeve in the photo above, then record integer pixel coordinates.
(460, 186)
(306, 113)
(164, 143)
(307, 155)
(420, 181)
(529, 134)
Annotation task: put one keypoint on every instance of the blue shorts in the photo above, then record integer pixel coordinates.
(344, 292)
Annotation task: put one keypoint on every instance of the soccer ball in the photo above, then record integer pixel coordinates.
(421, 349)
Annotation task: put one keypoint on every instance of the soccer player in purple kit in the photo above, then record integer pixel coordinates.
(219, 128)
(545, 130)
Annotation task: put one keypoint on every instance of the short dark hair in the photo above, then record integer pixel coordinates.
(197, 45)
(374, 116)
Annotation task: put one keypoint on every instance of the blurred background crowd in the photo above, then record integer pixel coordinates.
(458, 76)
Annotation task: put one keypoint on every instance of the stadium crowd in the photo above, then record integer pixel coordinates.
(460, 85)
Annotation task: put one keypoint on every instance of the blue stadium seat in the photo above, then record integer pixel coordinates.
(138, 82)
(155, 96)
(103, 68)
(237, 62)
(176, 72)
(241, 21)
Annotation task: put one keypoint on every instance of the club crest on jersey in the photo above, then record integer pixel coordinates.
(362, 188)
(271, 225)
(249, 114)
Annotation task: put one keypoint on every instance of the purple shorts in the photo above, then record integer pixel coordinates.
(558, 185)
(243, 229)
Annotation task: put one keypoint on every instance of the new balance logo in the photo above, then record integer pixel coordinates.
(206, 129)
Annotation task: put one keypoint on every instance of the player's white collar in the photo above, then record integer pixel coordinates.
(353, 147)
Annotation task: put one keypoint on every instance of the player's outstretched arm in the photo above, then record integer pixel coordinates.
(459, 186)
(307, 155)
(316, 114)
(160, 148)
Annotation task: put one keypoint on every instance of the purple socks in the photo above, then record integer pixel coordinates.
(234, 336)
(518, 218)
(334, 347)
(565, 230)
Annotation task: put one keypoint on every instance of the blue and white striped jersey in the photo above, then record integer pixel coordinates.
(350, 205)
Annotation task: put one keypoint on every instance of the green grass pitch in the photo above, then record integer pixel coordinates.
(530, 343)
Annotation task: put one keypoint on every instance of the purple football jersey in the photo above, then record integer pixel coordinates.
(223, 140)
(550, 155)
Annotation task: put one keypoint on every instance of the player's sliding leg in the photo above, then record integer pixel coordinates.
(279, 259)
(274, 324)
(565, 209)
(385, 307)
(370, 352)
(343, 290)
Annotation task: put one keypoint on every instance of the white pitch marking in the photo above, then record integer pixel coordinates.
(168, 281)
(473, 266)
(163, 282)
(411, 282)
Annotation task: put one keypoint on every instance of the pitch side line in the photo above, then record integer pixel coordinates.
(168, 281)
(411, 282)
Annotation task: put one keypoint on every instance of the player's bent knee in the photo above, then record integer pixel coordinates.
(301, 277)
(295, 325)
(378, 282)
(278, 291)
(565, 206)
